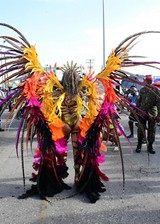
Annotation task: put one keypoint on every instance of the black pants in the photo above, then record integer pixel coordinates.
(146, 124)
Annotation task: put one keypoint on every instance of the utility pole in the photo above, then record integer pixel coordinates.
(90, 62)
(104, 58)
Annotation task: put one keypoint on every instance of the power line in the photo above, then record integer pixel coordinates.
(90, 62)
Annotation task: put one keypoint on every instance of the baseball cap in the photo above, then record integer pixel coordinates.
(148, 77)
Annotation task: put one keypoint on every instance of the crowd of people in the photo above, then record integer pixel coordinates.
(145, 114)
(3, 95)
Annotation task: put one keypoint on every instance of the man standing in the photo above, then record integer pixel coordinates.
(149, 102)
(133, 95)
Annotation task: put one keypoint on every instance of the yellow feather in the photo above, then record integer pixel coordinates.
(113, 63)
(59, 103)
(31, 56)
(79, 105)
(93, 103)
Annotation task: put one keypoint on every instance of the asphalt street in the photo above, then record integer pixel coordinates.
(138, 203)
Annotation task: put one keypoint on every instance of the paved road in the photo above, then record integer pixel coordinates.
(138, 204)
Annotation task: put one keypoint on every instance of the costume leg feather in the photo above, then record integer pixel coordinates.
(90, 177)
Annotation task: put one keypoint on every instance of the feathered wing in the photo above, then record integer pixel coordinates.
(34, 95)
(89, 139)
(92, 126)
(115, 71)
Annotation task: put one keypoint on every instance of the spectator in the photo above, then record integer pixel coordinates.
(133, 95)
(150, 104)
(11, 103)
(109, 134)
(2, 96)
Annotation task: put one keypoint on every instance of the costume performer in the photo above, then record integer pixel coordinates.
(55, 110)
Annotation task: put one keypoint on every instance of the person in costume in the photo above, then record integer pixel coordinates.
(60, 110)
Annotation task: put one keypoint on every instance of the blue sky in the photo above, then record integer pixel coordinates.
(65, 30)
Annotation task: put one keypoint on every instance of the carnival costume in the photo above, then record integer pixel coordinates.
(59, 110)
